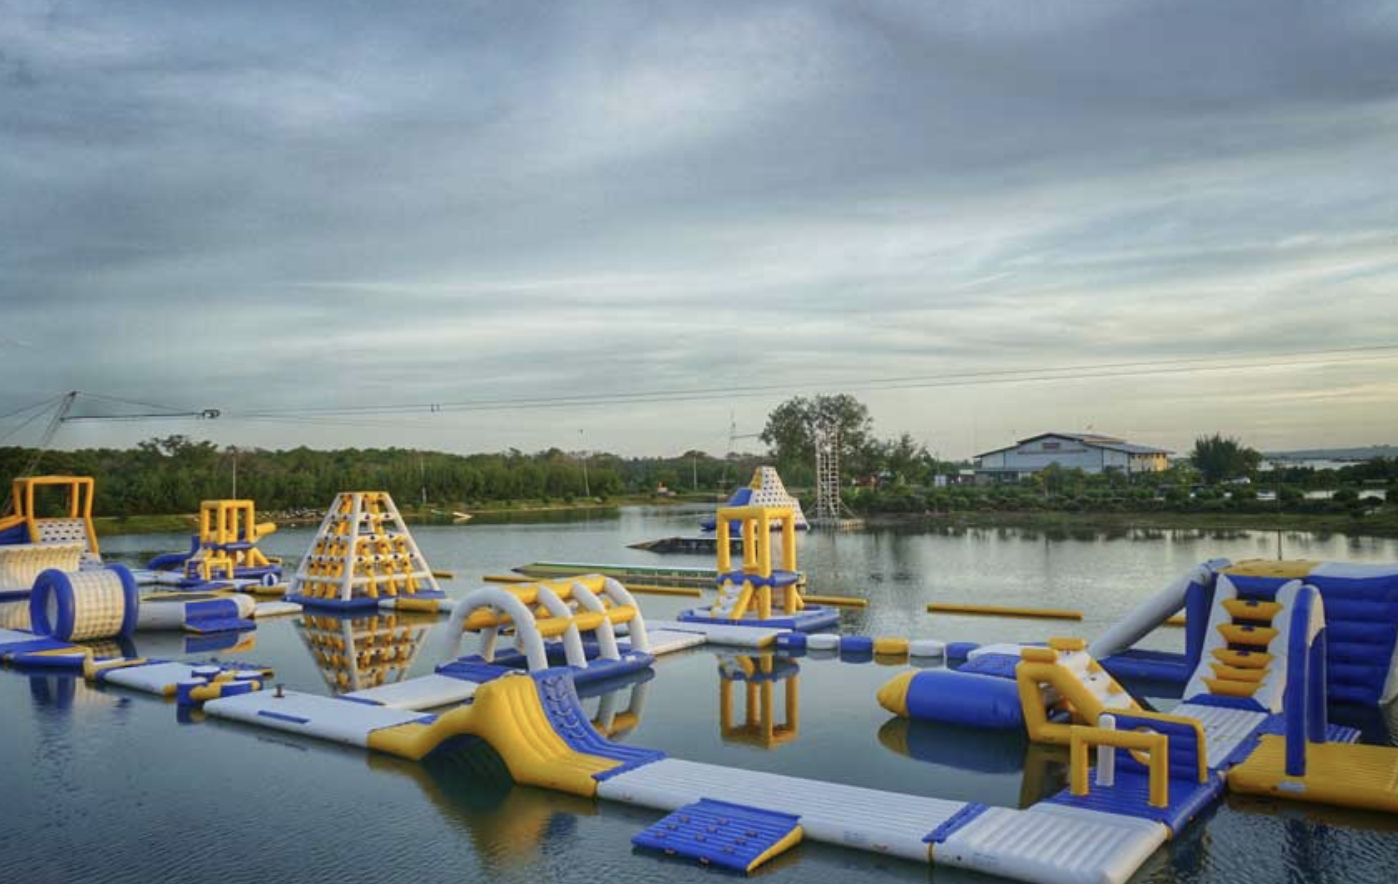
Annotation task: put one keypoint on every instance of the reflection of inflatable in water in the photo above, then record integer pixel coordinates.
(1044, 767)
(983, 751)
(508, 825)
(759, 676)
(358, 652)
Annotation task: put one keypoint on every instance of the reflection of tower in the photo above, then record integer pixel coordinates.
(362, 652)
(759, 676)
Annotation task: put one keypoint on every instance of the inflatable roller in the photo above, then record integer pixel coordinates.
(78, 605)
(953, 697)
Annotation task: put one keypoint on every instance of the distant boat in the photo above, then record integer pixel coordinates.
(456, 516)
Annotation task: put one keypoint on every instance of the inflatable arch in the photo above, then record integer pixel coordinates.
(556, 609)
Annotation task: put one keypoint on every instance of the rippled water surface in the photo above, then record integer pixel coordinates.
(100, 785)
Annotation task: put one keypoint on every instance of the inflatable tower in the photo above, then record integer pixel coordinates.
(362, 554)
(757, 593)
(766, 489)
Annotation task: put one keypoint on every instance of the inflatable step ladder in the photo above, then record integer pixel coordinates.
(1240, 667)
(729, 836)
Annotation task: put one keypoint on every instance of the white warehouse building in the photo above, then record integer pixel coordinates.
(1089, 452)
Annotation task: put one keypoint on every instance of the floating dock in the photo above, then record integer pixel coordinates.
(701, 578)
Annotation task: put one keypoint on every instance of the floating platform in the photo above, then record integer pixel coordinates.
(693, 545)
(1340, 774)
(699, 578)
(811, 618)
(729, 836)
(720, 633)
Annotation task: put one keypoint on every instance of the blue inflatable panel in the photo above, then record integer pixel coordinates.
(1146, 665)
(597, 669)
(856, 644)
(564, 711)
(956, 821)
(467, 670)
(729, 836)
(1129, 797)
(31, 645)
(171, 561)
(791, 640)
(998, 665)
(15, 534)
(209, 625)
(812, 618)
(960, 650)
(965, 698)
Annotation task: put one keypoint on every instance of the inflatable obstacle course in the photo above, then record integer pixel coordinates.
(1361, 604)
(362, 555)
(758, 592)
(32, 541)
(225, 547)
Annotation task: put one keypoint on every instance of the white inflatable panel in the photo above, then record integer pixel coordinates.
(160, 679)
(327, 718)
(927, 647)
(734, 635)
(1008, 648)
(665, 641)
(867, 819)
(275, 609)
(423, 692)
(1052, 844)
(1224, 729)
(1355, 570)
(823, 641)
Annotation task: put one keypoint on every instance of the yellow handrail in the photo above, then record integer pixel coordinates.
(1157, 746)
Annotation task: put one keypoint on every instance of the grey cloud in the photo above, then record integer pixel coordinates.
(263, 205)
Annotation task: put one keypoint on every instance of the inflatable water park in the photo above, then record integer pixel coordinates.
(1270, 648)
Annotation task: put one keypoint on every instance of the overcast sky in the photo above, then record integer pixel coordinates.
(270, 206)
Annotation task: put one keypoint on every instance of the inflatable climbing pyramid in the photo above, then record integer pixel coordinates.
(766, 489)
(362, 554)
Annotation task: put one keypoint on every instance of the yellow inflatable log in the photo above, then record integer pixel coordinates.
(1004, 611)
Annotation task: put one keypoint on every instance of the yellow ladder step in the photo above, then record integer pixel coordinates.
(1234, 674)
(1242, 659)
(1254, 636)
(1252, 609)
(1225, 688)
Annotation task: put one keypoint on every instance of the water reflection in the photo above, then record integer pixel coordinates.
(358, 652)
(759, 676)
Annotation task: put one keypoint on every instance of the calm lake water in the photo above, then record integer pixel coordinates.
(104, 785)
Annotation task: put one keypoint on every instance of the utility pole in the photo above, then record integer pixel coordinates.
(587, 488)
(694, 466)
(422, 477)
(234, 449)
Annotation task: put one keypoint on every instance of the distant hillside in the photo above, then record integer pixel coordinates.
(1367, 452)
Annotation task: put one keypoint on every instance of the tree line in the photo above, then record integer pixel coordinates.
(173, 474)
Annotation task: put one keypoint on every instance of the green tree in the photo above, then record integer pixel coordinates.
(1219, 459)
(791, 429)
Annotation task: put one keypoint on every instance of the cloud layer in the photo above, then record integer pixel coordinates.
(264, 206)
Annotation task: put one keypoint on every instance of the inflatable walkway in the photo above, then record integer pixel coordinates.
(537, 726)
